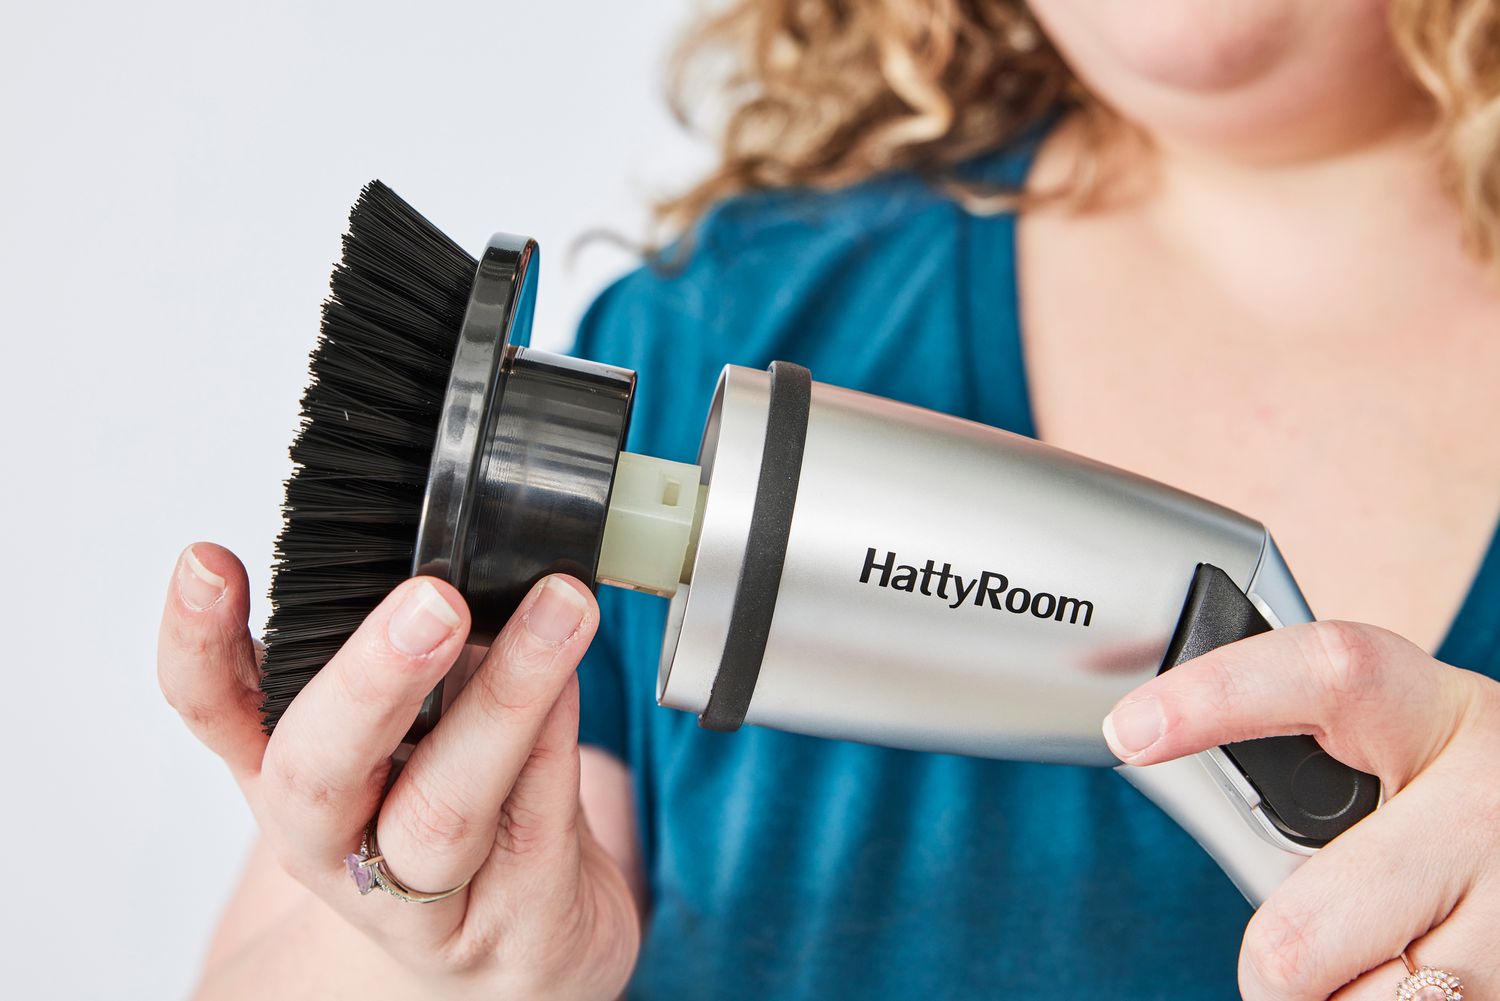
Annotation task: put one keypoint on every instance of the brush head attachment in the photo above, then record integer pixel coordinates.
(431, 443)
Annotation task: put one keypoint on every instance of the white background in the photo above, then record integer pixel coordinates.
(174, 178)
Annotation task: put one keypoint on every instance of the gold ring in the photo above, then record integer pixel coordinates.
(368, 869)
(1428, 984)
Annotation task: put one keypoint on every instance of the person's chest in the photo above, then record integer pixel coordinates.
(1357, 423)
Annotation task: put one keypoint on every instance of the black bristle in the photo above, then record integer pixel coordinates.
(369, 423)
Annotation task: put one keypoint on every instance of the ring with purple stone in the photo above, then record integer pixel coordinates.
(1428, 984)
(368, 869)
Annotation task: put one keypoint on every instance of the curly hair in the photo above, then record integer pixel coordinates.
(825, 93)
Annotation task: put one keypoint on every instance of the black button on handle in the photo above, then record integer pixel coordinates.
(1311, 797)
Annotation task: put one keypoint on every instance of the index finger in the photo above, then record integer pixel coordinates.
(325, 766)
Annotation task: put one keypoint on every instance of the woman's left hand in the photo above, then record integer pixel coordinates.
(1422, 873)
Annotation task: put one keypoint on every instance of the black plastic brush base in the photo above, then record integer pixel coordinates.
(542, 494)
(498, 315)
(521, 473)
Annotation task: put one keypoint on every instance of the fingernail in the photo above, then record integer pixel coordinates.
(1134, 726)
(199, 586)
(422, 621)
(556, 612)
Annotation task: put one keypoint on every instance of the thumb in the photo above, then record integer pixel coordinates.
(1372, 699)
(206, 662)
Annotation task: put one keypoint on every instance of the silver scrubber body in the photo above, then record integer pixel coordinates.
(955, 588)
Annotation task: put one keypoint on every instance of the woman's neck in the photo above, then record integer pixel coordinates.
(1348, 224)
(1386, 180)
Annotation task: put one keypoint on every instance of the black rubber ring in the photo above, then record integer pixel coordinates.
(765, 549)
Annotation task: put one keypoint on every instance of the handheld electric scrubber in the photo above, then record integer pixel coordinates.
(995, 600)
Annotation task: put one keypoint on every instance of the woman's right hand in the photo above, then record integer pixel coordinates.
(492, 793)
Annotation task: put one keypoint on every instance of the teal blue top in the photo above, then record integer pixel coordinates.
(783, 866)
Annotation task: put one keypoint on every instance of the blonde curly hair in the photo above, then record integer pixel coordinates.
(825, 93)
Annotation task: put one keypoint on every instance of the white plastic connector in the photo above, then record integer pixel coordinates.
(651, 529)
